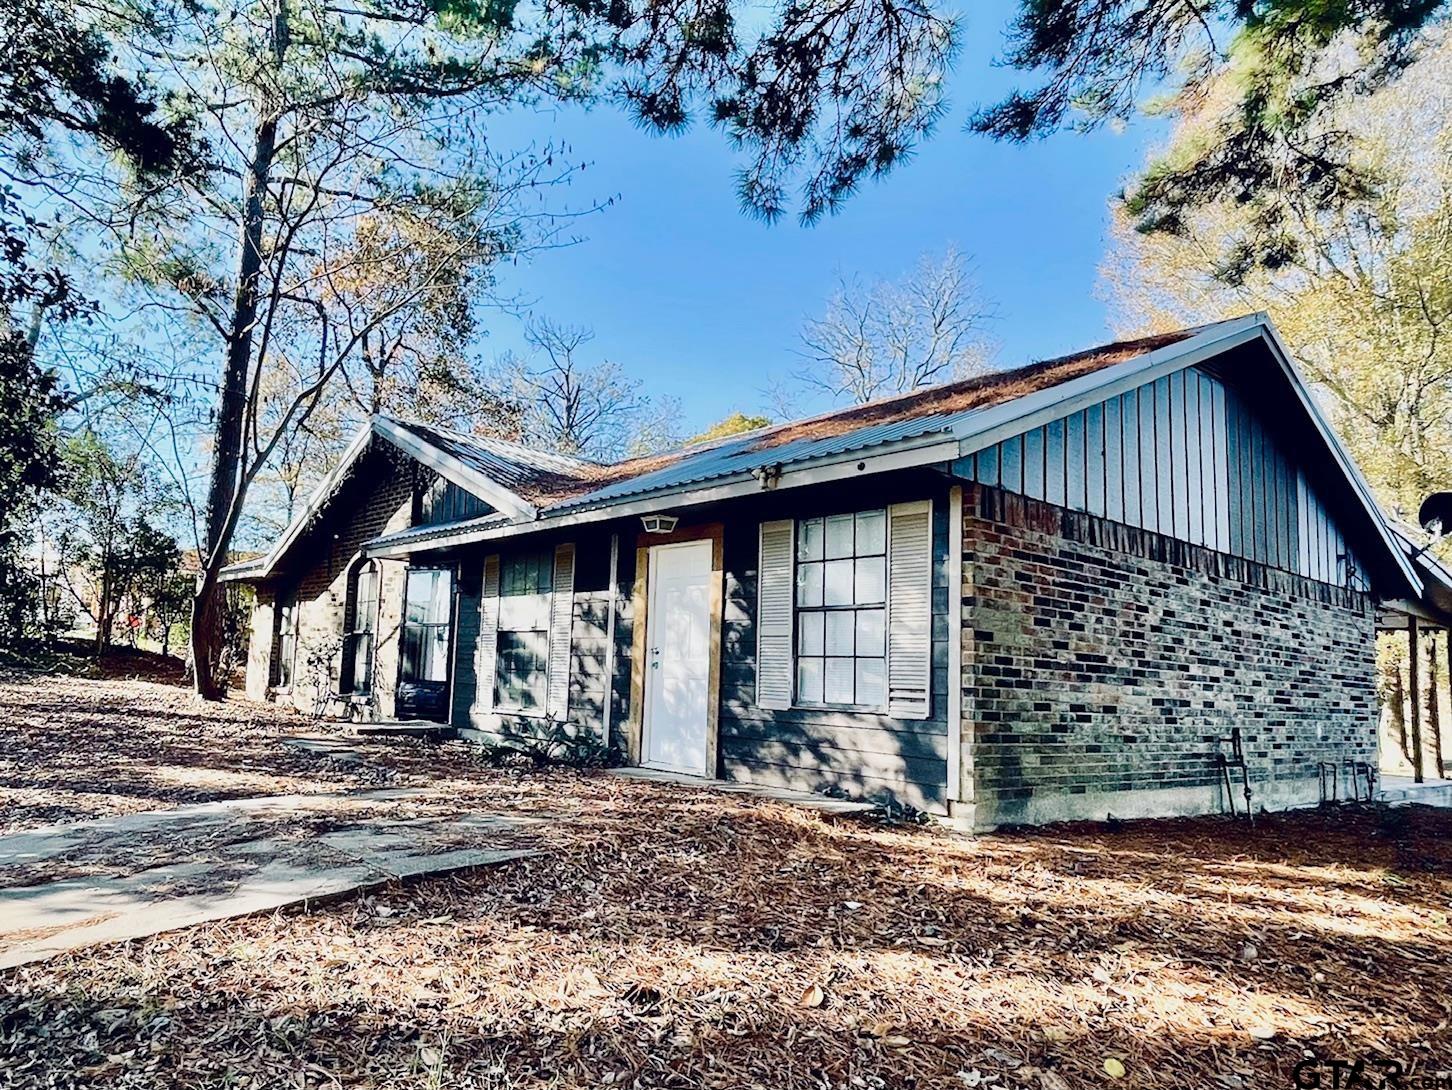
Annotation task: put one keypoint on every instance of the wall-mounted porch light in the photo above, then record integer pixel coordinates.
(659, 524)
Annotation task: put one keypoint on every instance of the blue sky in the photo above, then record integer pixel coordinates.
(705, 303)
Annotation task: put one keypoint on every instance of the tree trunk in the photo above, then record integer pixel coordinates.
(103, 611)
(223, 491)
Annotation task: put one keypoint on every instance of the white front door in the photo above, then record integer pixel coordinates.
(678, 657)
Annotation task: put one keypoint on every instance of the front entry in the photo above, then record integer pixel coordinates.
(678, 658)
(423, 672)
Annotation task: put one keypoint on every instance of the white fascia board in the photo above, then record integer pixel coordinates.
(449, 467)
(983, 429)
(1343, 459)
(320, 496)
(936, 450)
(240, 573)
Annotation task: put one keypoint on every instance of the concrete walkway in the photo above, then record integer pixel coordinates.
(68, 886)
(1404, 789)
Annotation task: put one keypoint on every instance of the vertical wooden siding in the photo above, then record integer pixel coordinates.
(1183, 456)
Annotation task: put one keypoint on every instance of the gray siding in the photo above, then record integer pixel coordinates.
(466, 639)
(860, 754)
(442, 501)
(588, 628)
(1183, 456)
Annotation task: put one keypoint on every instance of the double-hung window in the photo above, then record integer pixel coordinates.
(841, 610)
(362, 617)
(523, 639)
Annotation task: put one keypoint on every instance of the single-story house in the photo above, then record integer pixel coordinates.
(1047, 593)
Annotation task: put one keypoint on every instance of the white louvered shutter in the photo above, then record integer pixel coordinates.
(774, 616)
(486, 650)
(562, 617)
(909, 609)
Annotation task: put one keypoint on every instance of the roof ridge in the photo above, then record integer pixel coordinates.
(531, 454)
(951, 386)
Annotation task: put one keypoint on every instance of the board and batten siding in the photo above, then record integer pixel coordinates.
(857, 753)
(1184, 456)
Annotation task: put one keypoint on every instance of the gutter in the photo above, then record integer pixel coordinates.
(926, 451)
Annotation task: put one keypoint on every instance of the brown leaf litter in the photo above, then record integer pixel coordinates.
(672, 937)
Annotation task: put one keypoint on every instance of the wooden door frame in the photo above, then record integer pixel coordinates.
(640, 603)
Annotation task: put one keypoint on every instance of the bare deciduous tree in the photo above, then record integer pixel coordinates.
(893, 337)
(592, 410)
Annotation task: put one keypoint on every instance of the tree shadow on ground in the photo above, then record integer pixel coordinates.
(680, 937)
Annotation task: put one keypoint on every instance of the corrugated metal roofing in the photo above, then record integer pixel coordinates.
(443, 529)
(745, 455)
(559, 485)
(916, 415)
(518, 468)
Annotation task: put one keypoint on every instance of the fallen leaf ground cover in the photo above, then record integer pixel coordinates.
(684, 938)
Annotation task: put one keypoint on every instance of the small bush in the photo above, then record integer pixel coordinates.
(558, 744)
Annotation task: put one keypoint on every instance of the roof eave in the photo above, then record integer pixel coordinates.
(1345, 462)
(447, 466)
(939, 449)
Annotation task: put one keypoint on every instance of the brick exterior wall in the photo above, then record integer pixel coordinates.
(376, 499)
(261, 644)
(1102, 664)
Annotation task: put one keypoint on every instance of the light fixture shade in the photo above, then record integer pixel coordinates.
(658, 524)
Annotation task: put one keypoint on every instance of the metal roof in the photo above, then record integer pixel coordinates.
(517, 467)
(745, 454)
(534, 490)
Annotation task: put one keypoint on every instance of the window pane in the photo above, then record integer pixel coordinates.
(871, 682)
(837, 687)
(810, 634)
(870, 632)
(523, 612)
(436, 664)
(527, 573)
(809, 680)
(419, 597)
(809, 540)
(839, 536)
(837, 590)
(839, 633)
(521, 668)
(809, 584)
(362, 663)
(439, 598)
(870, 581)
(871, 532)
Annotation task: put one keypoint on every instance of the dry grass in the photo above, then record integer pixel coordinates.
(675, 938)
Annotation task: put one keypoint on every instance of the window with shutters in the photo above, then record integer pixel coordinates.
(523, 639)
(841, 610)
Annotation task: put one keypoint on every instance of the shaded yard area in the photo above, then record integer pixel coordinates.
(679, 938)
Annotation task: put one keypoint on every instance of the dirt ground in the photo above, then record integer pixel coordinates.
(681, 938)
